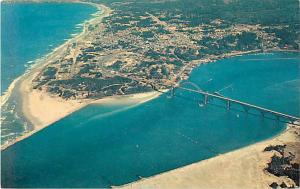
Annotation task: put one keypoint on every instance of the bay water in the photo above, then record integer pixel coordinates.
(107, 145)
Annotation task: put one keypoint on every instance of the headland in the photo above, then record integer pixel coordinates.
(127, 52)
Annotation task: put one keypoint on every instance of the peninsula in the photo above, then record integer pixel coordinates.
(136, 47)
(132, 50)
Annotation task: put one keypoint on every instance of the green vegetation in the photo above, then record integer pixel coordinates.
(144, 45)
(50, 72)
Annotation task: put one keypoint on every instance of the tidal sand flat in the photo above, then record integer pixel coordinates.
(75, 120)
(105, 144)
(246, 167)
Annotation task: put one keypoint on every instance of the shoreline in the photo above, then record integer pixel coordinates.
(35, 101)
(22, 84)
(133, 99)
(42, 61)
(71, 106)
(213, 58)
(225, 169)
(248, 160)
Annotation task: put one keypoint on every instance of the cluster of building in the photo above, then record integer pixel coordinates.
(131, 52)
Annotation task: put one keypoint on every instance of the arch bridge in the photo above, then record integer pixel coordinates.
(229, 102)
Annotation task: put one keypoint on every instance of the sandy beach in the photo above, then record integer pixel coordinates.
(243, 168)
(38, 107)
(41, 109)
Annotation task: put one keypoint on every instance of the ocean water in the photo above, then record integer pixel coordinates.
(103, 145)
(31, 30)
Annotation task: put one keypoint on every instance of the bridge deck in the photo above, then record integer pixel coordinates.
(291, 118)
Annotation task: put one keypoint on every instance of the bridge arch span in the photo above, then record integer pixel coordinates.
(188, 84)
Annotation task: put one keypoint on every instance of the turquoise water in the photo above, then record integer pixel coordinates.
(100, 146)
(31, 30)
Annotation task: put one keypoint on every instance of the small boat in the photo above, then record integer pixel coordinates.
(201, 104)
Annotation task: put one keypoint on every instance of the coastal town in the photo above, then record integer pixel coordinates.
(130, 51)
(138, 48)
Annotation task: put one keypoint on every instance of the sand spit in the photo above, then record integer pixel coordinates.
(137, 98)
(41, 109)
(240, 169)
(243, 168)
(38, 107)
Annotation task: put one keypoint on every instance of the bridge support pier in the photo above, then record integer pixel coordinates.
(228, 105)
(265, 113)
(277, 118)
(172, 92)
(205, 99)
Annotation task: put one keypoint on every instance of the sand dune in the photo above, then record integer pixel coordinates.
(240, 169)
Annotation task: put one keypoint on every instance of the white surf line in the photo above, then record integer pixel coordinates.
(258, 59)
(39, 61)
(127, 107)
